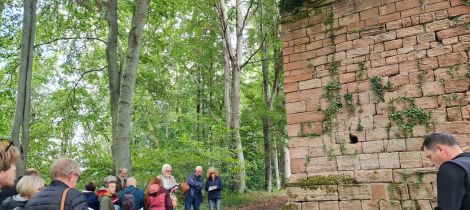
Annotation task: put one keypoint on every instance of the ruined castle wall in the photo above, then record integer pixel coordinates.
(384, 73)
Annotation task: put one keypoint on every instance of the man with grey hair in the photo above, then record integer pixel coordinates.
(169, 183)
(65, 175)
(194, 196)
(121, 182)
(453, 176)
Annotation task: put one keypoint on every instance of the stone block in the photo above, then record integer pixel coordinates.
(390, 205)
(369, 161)
(373, 147)
(328, 205)
(387, 36)
(348, 205)
(354, 192)
(457, 127)
(461, 85)
(312, 193)
(414, 144)
(310, 205)
(369, 205)
(389, 160)
(370, 176)
(309, 84)
(348, 162)
(322, 164)
(432, 88)
(410, 159)
(293, 206)
(421, 191)
(376, 134)
(454, 114)
(410, 31)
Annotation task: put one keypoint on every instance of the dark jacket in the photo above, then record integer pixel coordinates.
(13, 202)
(8, 192)
(138, 196)
(50, 198)
(92, 200)
(195, 182)
(217, 193)
(119, 184)
(453, 184)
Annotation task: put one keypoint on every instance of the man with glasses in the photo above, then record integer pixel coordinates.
(453, 180)
(9, 155)
(121, 182)
(65, 176)
(169, 183)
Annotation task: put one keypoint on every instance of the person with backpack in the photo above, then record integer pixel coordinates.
(156, 196)
(131, 198)
(453, 178)
(214, 189)
(27, 187)
(194, 196)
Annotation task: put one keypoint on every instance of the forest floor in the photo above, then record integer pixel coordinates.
(265, 203)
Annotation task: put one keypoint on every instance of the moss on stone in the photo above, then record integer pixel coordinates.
(324, 180)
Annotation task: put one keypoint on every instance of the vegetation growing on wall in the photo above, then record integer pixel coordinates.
(406, 114)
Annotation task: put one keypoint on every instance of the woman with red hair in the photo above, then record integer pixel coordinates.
(157, 197)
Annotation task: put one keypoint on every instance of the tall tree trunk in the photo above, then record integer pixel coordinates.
(267, 102)
(287, 171)
(227, 43)
(23, 97)
(139, 18)
(113, 71)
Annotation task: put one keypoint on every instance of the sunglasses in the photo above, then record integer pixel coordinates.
(8, 143)
(78, 176)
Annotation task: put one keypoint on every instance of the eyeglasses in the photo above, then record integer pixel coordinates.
(8, 143)
(78, 176)
(168, 170)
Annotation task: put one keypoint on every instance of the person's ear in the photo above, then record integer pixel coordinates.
(439, 147)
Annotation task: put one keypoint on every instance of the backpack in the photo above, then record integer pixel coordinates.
(128, 201)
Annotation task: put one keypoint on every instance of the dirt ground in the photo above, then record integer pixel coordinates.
(268, 204)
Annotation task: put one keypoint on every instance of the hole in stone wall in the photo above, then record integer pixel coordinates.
(353, 139)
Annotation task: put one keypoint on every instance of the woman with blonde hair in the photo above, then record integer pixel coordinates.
(214, 188)
(27, 187)
(156, 196)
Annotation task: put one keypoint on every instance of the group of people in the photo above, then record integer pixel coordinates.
(117, 192)
(441, 148)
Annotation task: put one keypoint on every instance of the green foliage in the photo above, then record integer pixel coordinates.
(349, 102)
(359, 126)
(406, 114)
(290, 5)
(334, 98)
(378, 87)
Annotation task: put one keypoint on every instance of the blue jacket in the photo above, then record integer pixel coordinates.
(195, 182)
(217, 193)
(92, 200)
(51, 197)
(138, 196)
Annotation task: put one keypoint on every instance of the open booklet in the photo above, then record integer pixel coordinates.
(212, 188)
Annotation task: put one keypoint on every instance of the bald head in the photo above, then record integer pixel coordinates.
(132, 181)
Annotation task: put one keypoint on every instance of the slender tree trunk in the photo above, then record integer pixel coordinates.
(267, 102)
(227, 43)
(123, 160)
(276, 168)
(113, 71)
(23, 97)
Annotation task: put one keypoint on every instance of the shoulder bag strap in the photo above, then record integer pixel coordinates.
(64, 195)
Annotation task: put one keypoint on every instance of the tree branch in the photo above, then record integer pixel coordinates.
(69, 38)
(246, 15)
(250, 57)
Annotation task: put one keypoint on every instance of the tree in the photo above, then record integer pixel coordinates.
(23, 98)
(122, 78)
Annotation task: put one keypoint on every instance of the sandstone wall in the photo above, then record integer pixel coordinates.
(373, 69)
